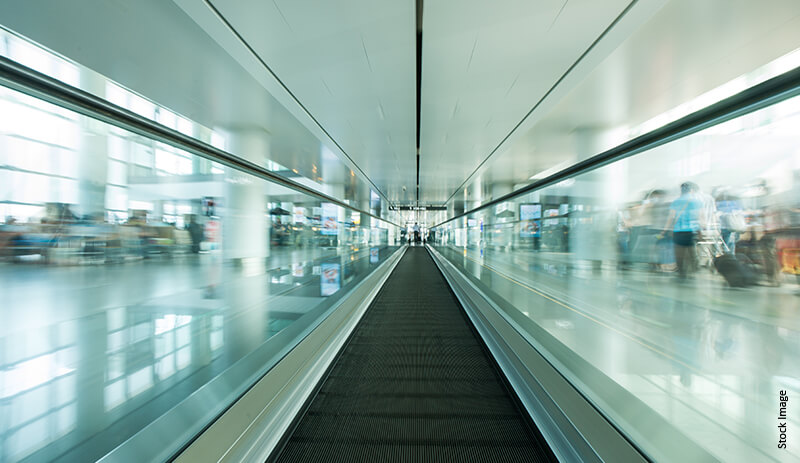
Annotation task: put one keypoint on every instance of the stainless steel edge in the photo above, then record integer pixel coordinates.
(572, 427)
(251, 428)
(159, 441)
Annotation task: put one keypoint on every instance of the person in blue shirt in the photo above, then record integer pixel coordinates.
(685, 221)
(731, 219)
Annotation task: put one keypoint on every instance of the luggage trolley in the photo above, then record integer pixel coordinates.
(708, 247)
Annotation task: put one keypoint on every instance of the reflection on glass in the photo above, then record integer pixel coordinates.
(322, 171)
(133, 273)
(673, 274)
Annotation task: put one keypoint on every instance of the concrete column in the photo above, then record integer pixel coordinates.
(91, 346)
(245, 245)
(594, 237)
(201, 341)
(92, 155)
(158, 211)
(245, 224)
(500, 189)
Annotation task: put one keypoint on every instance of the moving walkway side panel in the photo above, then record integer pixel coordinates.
(414, 383)
(575, 428)
(251, 428)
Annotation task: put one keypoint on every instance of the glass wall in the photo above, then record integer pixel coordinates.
(289, 149)
(132, 273)
(664, 286)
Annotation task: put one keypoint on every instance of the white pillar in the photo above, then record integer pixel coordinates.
(245, 243)
(593, 239)
(92, 156)
(245, 224)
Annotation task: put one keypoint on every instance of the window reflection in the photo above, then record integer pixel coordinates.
(171, 267)
(626, 266)
(38, 391)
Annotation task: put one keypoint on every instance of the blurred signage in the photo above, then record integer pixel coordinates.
(299, 215)
(551, 213)
(418, 208)
(329, 281)
(297, 270)
(373, 256)
(209, 206)
(374, 200)
(529, 215)
(329, 214)
(211, 231)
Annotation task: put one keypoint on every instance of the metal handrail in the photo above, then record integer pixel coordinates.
(759, 96)
(36, 84)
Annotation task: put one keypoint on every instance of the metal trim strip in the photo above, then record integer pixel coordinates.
(247, 433)
(760, 96)
(575, 433)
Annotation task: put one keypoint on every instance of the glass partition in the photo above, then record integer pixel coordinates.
(292, 151)
(664, 286)
(132, 273)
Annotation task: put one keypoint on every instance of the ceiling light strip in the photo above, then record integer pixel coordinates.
(419, 7)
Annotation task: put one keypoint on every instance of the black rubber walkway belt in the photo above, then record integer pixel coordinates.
(414, 383)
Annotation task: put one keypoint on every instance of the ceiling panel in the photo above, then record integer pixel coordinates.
(682, 52)
(352, 64)
(485, 65)
(179, 65)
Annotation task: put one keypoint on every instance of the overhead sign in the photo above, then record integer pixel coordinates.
(418, 208)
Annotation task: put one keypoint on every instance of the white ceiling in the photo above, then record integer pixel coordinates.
(682, 51)
(485, 65)
(337, 78)
(351, 63)
(158, 50)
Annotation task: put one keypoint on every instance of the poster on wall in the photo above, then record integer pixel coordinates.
(373, 256)
(209, 206)
(529, 215)
(551, 213)
(329, 280)
(299, 216)
(329, 213)
(297, 270)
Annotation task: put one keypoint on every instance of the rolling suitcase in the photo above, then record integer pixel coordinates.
(735, 270)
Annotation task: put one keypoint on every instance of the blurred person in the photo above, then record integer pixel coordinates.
(416, 232)
(731, 220)
(195, 233)
(651, 245)
(592, 235)
(639, 225)
(685, 219)
(708, 214)
(659, 211)
(625, 235)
